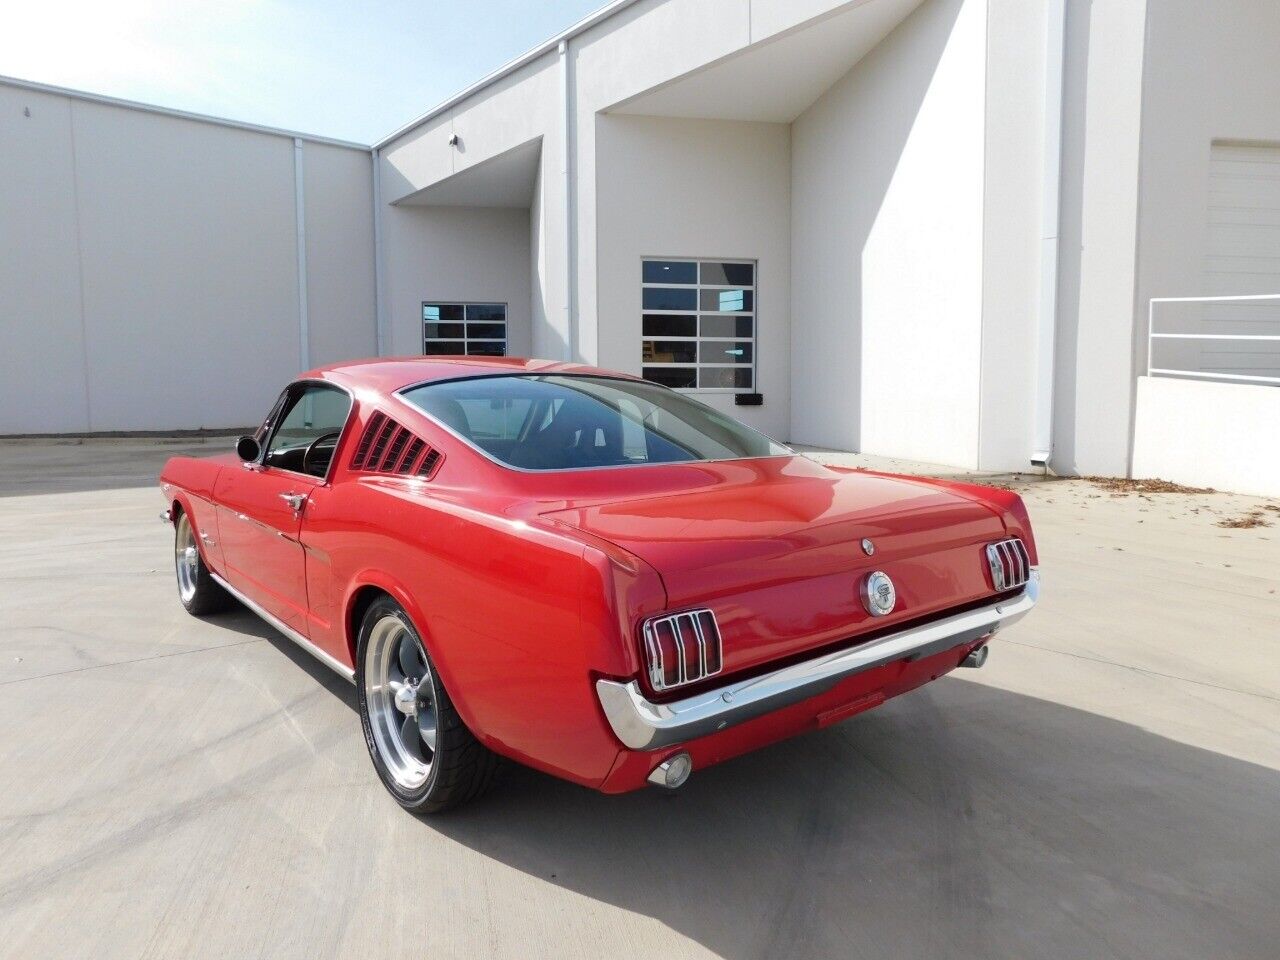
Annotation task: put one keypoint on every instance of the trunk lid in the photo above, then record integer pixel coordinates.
(774, 547)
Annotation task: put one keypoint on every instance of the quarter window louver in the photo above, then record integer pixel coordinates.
(380, 444)
(395, 449)
(429, 463)
(410, 456)
(1010, 564)
(682, 648)
(366, 440)
(387, 447)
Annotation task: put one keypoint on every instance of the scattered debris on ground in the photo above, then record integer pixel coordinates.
(1252, 519)
(1123, 485)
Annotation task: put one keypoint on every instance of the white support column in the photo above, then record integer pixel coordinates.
(1051, 199)
(300, 234)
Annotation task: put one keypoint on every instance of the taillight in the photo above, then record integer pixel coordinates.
(682, 648)
(1009, 563)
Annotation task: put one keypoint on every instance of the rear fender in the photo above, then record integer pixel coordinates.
(389, 585)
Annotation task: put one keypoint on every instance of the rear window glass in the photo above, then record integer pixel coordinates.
(572, 422)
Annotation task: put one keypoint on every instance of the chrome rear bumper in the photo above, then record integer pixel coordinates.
(643, 725)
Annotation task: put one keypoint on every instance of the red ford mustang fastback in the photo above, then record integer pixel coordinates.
(582, 571)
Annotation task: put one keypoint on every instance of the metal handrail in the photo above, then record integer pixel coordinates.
(1152, 336)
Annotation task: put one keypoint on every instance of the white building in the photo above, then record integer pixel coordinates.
(925, 228)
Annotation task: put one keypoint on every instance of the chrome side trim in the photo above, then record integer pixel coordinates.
(643, 725)
(336, 666)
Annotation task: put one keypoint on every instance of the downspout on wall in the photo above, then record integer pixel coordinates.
(300, 240)
(566, 169)
(1050, 206)
(379, 318)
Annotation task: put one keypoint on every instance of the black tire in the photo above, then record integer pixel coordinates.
(198, 592)
(459, 768)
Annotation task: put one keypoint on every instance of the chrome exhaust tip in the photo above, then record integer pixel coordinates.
(976, 658)
(672, 773)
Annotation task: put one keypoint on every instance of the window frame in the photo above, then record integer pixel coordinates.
(466, 340)
(281, 408)
(698, 313)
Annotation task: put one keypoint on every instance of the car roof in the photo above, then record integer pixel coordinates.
(389, 374)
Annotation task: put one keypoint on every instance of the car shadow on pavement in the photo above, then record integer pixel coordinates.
(957, 821)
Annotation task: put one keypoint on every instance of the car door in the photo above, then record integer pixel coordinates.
(262, 505)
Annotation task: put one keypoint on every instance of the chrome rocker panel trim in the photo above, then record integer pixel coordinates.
(643, 725)
(336, 666)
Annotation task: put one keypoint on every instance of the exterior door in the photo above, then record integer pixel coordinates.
(262, 504)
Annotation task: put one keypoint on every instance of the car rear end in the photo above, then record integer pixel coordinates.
(798, 596)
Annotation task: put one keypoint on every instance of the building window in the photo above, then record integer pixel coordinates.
(699, 324)
(465, 329)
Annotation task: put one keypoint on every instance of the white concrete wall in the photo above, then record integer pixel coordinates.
(1012, 186)
(1093, 395)
(462, 254)
(148, 250)
(887, 227)
(43, 387)
(1211, 75)
(641, 47)
(149, 280)
(517, 109)
(339, 221)
(701, 189)
(1220, 435)
(546, 337)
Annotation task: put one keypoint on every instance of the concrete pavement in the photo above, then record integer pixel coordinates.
(1107, 786)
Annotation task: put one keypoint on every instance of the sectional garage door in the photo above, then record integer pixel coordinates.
(1243, 257)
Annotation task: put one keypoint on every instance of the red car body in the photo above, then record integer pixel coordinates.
(531, 589)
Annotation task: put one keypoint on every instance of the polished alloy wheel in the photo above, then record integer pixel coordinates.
(401, 702)
(186, 559)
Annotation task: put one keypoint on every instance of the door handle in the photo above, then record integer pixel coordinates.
(294, 500)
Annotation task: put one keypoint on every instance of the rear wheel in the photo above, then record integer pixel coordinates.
(197, 590)
(423, 752)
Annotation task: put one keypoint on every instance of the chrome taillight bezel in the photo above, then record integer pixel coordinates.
(1009, 564)
(688, 627)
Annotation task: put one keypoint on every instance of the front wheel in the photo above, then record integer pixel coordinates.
(423, 752)
(197, 590)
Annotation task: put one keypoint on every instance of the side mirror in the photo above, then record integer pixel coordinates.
(247, 448)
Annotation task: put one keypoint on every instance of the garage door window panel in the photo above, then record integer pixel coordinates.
(698, 324)
(464, 329)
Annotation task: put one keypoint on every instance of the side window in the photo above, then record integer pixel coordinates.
(313, 419)
(272, 416)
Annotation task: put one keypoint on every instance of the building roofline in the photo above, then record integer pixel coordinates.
(180, 114)
(586, 23)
